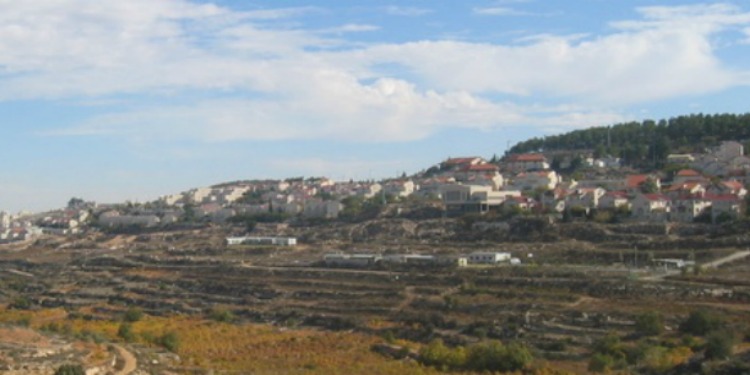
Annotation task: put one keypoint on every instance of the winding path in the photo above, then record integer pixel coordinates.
(130, 363)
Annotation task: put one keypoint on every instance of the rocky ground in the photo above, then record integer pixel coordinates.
(582, 282)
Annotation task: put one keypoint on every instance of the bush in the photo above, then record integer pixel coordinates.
(125, 332)
(601, 363)
(719, 345)
(170, 341)
(493, 356)
(701, 322)
(649, 324)
(70, 370)
(133, 314)
(221, 315)
(438, 355)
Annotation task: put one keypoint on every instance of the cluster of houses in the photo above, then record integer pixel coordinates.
(519, 182)
(528, 184)
(13, 229)
(711, 186)
(369, 260)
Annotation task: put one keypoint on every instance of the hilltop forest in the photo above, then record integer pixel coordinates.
(646, 144)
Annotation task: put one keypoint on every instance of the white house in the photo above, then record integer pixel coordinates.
(473, 198)
(481, 257)
(275, 241)
(525, 162)
(547, 180)
(316, 208)
(614, 199)
(687, 208)
(725, 205)
(399, 188)
(587, 198)
(651, 207)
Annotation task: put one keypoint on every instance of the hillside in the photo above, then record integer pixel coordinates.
(646, 144)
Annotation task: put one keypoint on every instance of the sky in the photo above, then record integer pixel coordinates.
(130, 100)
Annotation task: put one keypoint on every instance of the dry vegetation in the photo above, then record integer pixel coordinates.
(267, 310)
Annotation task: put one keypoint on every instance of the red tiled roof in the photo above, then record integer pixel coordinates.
(732, 184)
(688, 173)
(619, 194)
(635, 180)
(655, 197)
(527, 158)
(482, 168)
(459, 161)
(722, 198)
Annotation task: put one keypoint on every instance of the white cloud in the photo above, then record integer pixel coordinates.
(351, 28)
(288, 82)
(395, 10)
(344, 169)
(499, 11)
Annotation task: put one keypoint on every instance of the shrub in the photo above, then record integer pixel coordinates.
(701, 322)
(125, 332)
(438, 355)
(221, 315)
(719, 345)
(70, 370)
(649, 324)
(601, 363)
(170, 341)
(133, 314)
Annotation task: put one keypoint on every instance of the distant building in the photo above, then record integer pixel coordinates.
(275, 241)
(524, 163)
(488, 257)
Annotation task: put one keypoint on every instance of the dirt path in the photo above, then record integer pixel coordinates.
(130, 363)
(727, 259)
(409, 297)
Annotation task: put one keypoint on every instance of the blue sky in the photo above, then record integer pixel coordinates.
(118, 100)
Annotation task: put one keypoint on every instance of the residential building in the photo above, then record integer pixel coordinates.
(546, 180)
(461, 163)
(482, 257)
(689, 207)
(322, 209)
(473, 198)
(274, 241)
(524, 163)
(399, 188)
(614, 199)
(651, 207)
(729, 206)
(587, 198)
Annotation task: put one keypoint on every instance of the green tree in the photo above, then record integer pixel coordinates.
(70, 369)
(701, 322)
(719, 345)
(170, 341)
(649, 324)
(125, 332)
(133, 314)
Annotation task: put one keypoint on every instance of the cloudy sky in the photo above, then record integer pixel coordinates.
(115, 100)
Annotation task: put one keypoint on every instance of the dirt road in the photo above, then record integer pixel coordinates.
(130, 363)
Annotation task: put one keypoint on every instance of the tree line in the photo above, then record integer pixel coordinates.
(647, 143)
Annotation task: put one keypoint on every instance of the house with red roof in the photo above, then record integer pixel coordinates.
(651, 207)
(614, 199)
(586, 198)
(634, 182)
(688, 188)
(546, 179)
(688, 175)
(725, 206)
(461, 163)
(687, 208)
(731, 187)
(525, 162)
